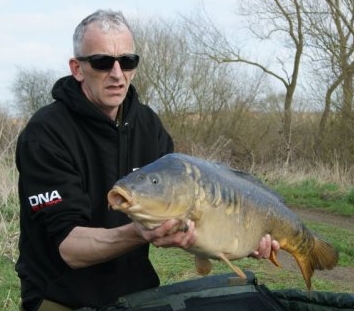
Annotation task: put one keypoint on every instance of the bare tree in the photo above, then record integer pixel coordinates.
(331, 42)
(274, 18)
(32, 90)
(189, 91)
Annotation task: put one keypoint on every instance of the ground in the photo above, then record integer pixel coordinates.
(345, 275)
(346, 222)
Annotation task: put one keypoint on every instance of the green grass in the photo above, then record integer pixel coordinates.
(175, 265)
(313, 194)
(341, 239)
(266, 273)
(9, 232)
(9, 285)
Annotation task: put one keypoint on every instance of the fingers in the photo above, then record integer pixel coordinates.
(170, 234)
(266, 245)
(263, 250)
(167, 228)
(179, 238)
(151, 234)
(275, 245)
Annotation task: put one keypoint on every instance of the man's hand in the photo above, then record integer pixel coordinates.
(266, 245)
(162, 236)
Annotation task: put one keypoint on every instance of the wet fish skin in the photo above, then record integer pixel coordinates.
(231, 209)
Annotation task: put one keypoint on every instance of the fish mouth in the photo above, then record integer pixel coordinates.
(120, 198)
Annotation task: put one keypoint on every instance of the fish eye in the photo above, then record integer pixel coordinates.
(154, 180)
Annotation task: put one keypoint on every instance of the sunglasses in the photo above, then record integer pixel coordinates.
(106, 62)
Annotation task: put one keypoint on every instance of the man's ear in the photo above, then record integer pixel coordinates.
(76, 70)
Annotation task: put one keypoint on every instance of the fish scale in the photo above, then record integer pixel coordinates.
(232, 210)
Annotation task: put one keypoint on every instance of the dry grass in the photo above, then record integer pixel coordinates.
(225, 148)
(299, 172)
(9, 214)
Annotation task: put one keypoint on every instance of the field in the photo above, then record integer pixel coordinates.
(335, 223)
(174, 264)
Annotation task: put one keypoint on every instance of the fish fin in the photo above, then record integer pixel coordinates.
(306, 269)
(249, 177)
(323, 256)
(326, 255)
(273, 258)
(236, 269)
(203, 265)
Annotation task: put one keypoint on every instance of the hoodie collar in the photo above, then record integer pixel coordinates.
(68, 91)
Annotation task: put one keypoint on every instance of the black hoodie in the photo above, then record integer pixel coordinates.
(68, 158)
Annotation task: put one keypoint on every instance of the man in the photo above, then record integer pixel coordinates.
(74, 252)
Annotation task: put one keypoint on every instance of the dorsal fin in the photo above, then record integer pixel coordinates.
(247, 176)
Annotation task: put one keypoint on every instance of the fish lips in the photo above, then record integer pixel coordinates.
(120, 198)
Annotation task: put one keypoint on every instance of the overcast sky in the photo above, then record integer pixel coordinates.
(38, 33)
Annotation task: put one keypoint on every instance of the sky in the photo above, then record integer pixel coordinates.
(37, 34)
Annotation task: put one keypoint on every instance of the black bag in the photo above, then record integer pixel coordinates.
(225, 292)
(298, 300)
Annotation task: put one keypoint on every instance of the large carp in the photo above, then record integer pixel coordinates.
(231, 209)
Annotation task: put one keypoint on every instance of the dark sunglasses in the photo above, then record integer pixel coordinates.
(106, 62)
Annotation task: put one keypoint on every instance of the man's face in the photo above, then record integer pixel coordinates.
(106, 89)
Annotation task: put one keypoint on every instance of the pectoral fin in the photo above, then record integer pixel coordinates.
(203, 265)
(273, 258)
(236, 269)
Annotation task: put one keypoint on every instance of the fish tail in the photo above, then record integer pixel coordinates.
(322, 256)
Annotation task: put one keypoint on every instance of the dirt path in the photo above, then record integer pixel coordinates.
(323, 217)
(341, 275)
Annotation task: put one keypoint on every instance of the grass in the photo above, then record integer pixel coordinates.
(312, 194)
(9, 283)
(175, 265)
(341, 239)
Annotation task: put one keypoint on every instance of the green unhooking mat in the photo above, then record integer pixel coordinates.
(226, 292)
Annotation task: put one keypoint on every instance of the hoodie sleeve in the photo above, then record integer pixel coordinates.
(51, 190)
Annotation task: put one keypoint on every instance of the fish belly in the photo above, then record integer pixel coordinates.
(234, 235)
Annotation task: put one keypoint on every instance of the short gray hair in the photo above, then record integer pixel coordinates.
(106, 19)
